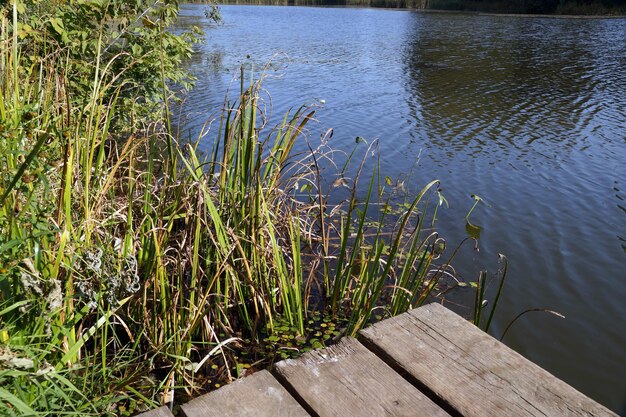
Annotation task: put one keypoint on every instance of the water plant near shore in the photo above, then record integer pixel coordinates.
(131, 266)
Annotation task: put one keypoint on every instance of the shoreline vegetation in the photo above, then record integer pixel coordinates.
(135, 271)
(552, 8)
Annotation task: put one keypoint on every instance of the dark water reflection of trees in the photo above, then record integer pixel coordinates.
(480, 85)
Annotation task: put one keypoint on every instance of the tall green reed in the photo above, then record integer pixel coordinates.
(71, 249)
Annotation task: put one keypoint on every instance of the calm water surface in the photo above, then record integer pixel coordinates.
(528, 113)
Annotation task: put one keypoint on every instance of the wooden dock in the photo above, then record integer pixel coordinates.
(427, 362)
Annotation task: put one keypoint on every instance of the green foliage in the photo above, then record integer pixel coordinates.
(68, 85)
(115, 46)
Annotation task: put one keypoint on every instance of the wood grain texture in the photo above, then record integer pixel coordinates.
(470, 370)
(348, 380)
(258, 395)
(159, 412)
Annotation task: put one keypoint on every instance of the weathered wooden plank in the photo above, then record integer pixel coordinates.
(348, 380)
(159, 412)
(255, 396)
(470, 370)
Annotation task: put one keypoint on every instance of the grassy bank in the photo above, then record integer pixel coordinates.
(135, 271)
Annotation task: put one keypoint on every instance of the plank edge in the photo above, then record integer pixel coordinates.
(367, 338)
(282, 380)
(399, 369)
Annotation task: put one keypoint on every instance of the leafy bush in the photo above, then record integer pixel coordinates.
(116, 46)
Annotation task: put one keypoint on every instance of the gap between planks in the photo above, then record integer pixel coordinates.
(428, 361)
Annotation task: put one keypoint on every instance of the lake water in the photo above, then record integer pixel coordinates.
(528, 113)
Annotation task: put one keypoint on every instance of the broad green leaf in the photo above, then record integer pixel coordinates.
(472, 230)
(137, 49)
(16, 403)
(57, 25)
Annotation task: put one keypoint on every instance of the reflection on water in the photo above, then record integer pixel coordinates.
(528, 113)
(515, 87)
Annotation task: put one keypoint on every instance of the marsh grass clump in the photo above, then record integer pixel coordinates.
(135, 271)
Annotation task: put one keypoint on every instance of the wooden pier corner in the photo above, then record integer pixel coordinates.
(426, 362)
